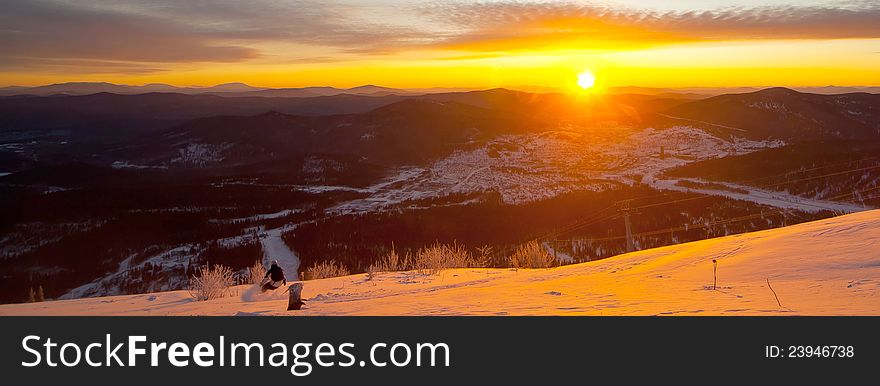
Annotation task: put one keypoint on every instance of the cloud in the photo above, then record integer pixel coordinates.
(106, 35)
(141, 36)
(347, 27)
(35, 29)
(82, 66)
(502, 26)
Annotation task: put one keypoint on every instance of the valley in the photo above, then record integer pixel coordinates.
(184, 181)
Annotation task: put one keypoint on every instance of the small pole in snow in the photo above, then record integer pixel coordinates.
(774, 293)
(714, 273)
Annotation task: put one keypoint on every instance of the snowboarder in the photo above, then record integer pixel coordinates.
(274, 277)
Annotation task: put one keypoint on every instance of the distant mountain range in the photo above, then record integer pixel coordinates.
(227, 89)
(237, 128)
(128, 112)
(243, 90)
(369, 90)
(712, 91)
(418, 129)
(85, 88)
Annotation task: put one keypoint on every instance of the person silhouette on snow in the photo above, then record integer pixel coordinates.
(275, 277)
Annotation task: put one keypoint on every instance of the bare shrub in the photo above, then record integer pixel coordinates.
(256, 273)
(531, 255)
(391, 261)
(325, 270)
(485, 257)
(407, 262)
(372, 270)
(211, 283)
(436, 257)
(388, 263)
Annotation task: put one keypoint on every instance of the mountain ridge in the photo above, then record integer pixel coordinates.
(229, 89)
(783, 113)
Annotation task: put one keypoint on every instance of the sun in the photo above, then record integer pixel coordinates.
(586, 80)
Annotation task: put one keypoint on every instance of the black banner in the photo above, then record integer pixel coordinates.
(400, 350)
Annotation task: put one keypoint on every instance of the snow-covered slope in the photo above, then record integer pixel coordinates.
(828, 267)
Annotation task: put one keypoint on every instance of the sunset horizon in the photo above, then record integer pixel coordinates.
(570, 88)
(419, 44)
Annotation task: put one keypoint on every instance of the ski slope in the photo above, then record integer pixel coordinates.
(274, 248)
(827, 267)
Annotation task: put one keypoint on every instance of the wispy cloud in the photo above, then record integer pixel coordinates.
(105, 36)
(34, 30)
(533, 25)
(129, 36)
(63, 66)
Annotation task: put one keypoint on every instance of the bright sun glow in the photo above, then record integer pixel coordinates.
(586, 80)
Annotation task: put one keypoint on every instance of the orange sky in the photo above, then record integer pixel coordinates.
(411, 43)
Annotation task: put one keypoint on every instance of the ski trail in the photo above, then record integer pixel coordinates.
(772, 198)
(274, 248)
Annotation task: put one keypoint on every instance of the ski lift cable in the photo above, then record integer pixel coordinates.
(849, 194)
(591, 217)
(596, 217)
(808, 170)
(719, 222)
(584, 225)
(825, 175)
(690, 226)
(703, 195)
(781, 211)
